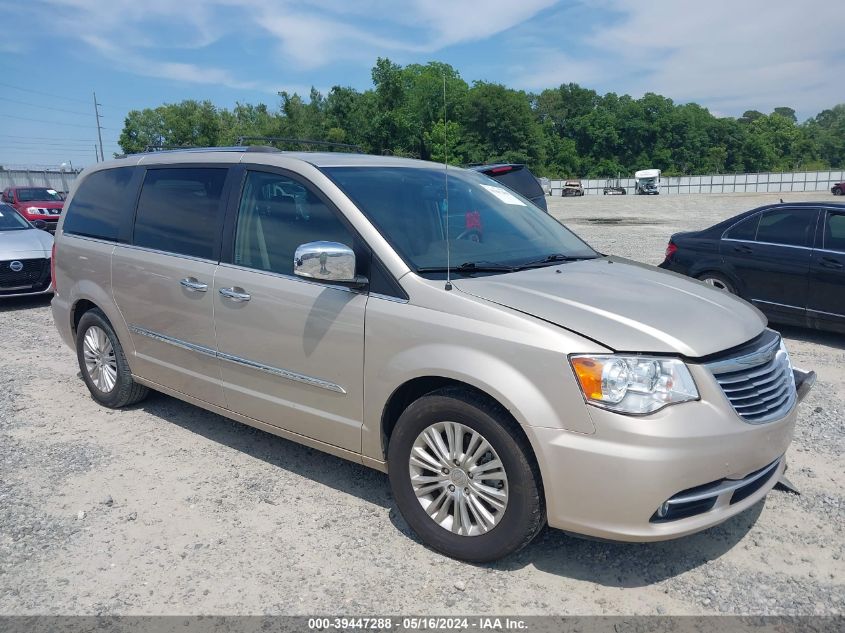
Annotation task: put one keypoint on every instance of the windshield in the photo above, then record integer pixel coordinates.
(10, 220)
(489, 225)
(38, 194)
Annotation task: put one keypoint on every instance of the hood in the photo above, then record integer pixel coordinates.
(626, 306)
(25, 244)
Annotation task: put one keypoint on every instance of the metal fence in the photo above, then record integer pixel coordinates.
(60, 180)
(57, 179)
(774, 182)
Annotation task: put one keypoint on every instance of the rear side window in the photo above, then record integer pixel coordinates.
(520, 180)
(789, 227)
(745, 230)
(103, 204)
(834, 232)
(180, 211)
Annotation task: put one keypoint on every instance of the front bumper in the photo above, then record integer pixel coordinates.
(700, 454)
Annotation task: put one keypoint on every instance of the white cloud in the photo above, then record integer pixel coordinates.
(728, 55)
(309, 33)
(460, 21)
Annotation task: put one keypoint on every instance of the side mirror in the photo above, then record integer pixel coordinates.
(39, 224)
(326, 261)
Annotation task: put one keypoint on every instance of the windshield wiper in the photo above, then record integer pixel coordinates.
(553, 258)
(470, 267)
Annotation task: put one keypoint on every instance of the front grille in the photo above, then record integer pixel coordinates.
(32, 272)
(759, 384)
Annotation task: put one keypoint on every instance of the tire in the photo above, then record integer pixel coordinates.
(837, 191)
(109, 381)
(485, 533)
(717, 281)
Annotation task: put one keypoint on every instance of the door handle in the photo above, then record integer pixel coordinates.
(193, 284)
(235, 294)
(829, 262)
(743, 249)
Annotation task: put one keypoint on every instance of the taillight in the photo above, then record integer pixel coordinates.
(671, 249)
(53, 268)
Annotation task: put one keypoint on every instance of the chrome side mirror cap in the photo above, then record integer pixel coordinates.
(326, 261)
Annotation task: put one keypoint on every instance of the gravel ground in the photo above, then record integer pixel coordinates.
(166, 509)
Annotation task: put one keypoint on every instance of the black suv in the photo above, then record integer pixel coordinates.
(518, 178)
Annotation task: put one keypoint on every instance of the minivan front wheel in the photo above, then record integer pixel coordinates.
(103, 363)
(464, 478)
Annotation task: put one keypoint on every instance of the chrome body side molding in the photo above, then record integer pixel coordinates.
(245, 362)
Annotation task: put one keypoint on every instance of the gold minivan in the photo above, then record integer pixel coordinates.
(435, 325)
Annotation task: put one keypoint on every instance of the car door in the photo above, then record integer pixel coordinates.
(772, 268)
(826, 302)
(291, 350)
(163, 280)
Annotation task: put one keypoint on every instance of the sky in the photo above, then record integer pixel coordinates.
(728, 55)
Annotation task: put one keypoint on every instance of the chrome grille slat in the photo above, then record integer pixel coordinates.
(758, 390)
(762, 378)
(770, 400)
(759, 385)
(765, 408)
(775, 385)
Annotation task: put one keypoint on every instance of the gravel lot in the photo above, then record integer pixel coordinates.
(166, 509)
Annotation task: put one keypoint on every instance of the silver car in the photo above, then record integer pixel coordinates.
(25, 252)
(434, 325)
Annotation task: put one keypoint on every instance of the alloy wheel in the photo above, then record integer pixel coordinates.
(458, 478)
(100, 361)
(716, 283)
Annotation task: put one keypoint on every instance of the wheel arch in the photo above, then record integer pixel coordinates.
(721, 272)
(415, 388)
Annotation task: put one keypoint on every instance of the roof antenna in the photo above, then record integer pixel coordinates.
(446, 172)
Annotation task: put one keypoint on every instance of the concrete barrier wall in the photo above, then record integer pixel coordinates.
(50, 178)
(774, 182)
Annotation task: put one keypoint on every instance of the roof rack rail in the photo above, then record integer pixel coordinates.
(280, 139)
(166, 148)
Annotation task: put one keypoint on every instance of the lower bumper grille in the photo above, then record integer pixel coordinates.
(724, 492)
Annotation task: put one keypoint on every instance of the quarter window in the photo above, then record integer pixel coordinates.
(276, 215)
(102, 205)
(834, 232)
(180, 211)
(790, 227)
(745, 230)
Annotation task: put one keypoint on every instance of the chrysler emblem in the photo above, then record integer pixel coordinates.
(16, 266)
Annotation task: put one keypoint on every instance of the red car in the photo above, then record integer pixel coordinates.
(838, 189)
(36, 203)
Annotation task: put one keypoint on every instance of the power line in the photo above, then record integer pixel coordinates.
(74, 99)
(23, 118)
(53, 141)
(36, 105)
(53, 148)
(43, 94)
(48, 138)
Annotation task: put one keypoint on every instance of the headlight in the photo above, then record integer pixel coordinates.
(633, 384)
(33, 210)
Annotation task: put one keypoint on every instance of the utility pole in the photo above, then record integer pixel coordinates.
(99, 128)
(96, 155)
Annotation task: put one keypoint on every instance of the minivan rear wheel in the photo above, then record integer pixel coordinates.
(103, 363)
(464, 478)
